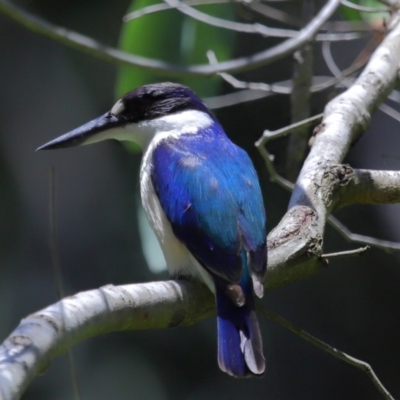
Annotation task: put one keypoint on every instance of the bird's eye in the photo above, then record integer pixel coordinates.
(118, 108)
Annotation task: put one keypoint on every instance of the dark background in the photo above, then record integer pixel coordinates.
(47, 89)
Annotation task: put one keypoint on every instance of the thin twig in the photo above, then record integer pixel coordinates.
(97, 49)
(231, 25)
(365, 367)
(334, 26)
(274, 13)
(245, 95)
(330, 62)
(258, 91)
(364, 8)
(255, 28)
(39, 337)
(385, 245)
(331, 26)
(268, 158)
(273, 174)
(347, 253)
(390, 111)
(268, 135)
(276, 88)
(341, 26)
(231, 99)
(154, 8)
(333, 68)
(300, 101)
(55, 258)
(237, 84)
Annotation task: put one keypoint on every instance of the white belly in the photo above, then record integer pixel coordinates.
(179, 259)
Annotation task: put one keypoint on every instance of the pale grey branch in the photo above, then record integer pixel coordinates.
(364, 8)
(231, 25)
(274, 13)
(344, 176)
(299, 109)
(385, 245)
(345, 26)
(318, 83)
(106, 53)
(163, 6)
(326, 51)
(365, 367)
(268, 135)
(273, 174)
(231, 99)
(346, 253)
(390, 111)
(269, 158)
(345, 119)
(284, 87)
(49, 332)
(332, 26)
(255, 28)
(370, 187)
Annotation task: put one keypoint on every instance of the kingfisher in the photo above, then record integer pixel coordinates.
(203, 200)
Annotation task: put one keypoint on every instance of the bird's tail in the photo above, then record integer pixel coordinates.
(240, 349)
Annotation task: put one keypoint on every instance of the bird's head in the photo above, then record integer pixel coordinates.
(141, 114)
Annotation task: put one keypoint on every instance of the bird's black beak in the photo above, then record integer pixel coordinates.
(85, 134)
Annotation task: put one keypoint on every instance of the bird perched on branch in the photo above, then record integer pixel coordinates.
(203, 200)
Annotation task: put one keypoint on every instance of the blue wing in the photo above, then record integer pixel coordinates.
(209, 191)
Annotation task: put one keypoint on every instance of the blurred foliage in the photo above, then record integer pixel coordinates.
(372, 18)
(173, 37)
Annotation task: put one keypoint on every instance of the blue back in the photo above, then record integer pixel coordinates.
(209, 191)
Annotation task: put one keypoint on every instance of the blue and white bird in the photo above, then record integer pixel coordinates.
(203, 199)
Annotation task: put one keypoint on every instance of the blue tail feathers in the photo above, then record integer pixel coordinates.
(240, 350)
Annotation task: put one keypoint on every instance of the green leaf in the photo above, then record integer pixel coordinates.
(350, 14)
(171, 36)
(372, 18)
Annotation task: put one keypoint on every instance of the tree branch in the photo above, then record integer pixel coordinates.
(294, 246)
(256, 28)
(231, 25)
(154, 8)
(49, 332)
(345, 119)
(110, 54)
(365, 367)
(391, 112)
(346, 253)
(312, 200)
(299, 109)
(319, 82)
(369, 187)
(268, 158)
(364, 8)
(231, 99)
(385, 245)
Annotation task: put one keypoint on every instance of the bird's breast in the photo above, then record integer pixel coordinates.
(179, 259)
